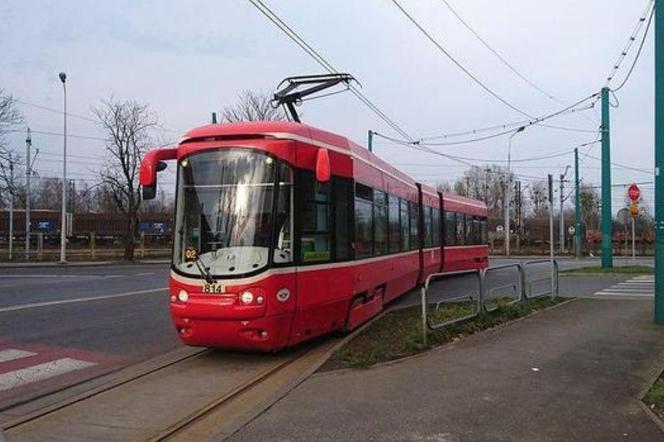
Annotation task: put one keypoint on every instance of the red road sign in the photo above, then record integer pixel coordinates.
(634, 193)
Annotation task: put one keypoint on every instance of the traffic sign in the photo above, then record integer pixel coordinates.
(499, 229)
(634, 193)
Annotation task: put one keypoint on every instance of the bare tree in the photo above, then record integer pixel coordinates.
(10, 158)
(252, 106)
(128, 126)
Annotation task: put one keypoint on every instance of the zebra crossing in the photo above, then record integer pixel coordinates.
(27, 368)
(642, 286)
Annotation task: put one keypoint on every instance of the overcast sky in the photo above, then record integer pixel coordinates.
(187, 59)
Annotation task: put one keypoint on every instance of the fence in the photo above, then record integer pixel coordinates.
(520, 289)
(85, 246)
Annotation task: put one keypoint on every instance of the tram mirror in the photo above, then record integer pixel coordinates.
(323, 168)
(153, 162)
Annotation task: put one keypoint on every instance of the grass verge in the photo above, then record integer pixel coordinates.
(621, 270)
(654, 399)
(398, 334)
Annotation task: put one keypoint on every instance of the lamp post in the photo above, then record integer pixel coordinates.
(63, 221)
(508, 190)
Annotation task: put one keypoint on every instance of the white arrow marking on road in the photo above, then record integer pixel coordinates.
(74, 301)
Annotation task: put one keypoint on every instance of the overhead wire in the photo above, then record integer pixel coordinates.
(306, 47)
(629, 44)
(533, 122)
(638, 53)
(442, 49)
(500, 57)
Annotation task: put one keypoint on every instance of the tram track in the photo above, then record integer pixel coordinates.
(205, 394)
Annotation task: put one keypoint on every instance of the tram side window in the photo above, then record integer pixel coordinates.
(414, 230)
(363, 221)
(435, 221)
(450, 228)
(476, 230)
(342, 200)
(405, 225)
(460, 229)
(428, 228)
(484, 231)
(315, 243)
(380, 222)
(394, 231)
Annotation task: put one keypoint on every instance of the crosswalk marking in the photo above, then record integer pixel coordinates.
(638, 287)
(12, 354)
(40, 372)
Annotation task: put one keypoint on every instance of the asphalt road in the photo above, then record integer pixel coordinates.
(62, 325)
(78, 321)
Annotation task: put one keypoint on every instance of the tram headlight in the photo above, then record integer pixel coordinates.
(259, 300)
(247, 297)
(183, 296)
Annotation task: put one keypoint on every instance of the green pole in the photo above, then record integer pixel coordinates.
(577, 206)
(607, 227)
(370, 140)
(659, 164)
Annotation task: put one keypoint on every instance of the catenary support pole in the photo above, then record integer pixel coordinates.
(577, 206)
(607, 227)
(370, 140)
(659, 162)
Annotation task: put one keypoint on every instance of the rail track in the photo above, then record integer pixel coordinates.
(195, 395)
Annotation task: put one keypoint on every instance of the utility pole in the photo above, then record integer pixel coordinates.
(370, 135)
(551, 234)
(607, 226)
(659, 162)
(577, 206)
(508, 190)
(11, 207)
(28, 173)
(519, 218)
(561, 220)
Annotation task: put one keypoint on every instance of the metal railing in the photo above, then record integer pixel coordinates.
(426, 317)
(522, 290)
(553, 278)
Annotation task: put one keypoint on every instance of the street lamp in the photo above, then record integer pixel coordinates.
(508, 190)
(63, 222)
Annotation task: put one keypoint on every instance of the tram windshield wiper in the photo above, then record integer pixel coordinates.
(205, 271)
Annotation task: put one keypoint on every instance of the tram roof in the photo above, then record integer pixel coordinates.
(304, 132)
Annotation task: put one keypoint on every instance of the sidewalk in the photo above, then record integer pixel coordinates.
(571, 373)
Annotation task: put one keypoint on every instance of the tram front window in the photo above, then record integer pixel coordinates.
(226, 211)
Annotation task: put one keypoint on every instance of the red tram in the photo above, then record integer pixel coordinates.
(284, 232)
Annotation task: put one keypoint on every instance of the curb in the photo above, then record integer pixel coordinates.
(26, 265)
